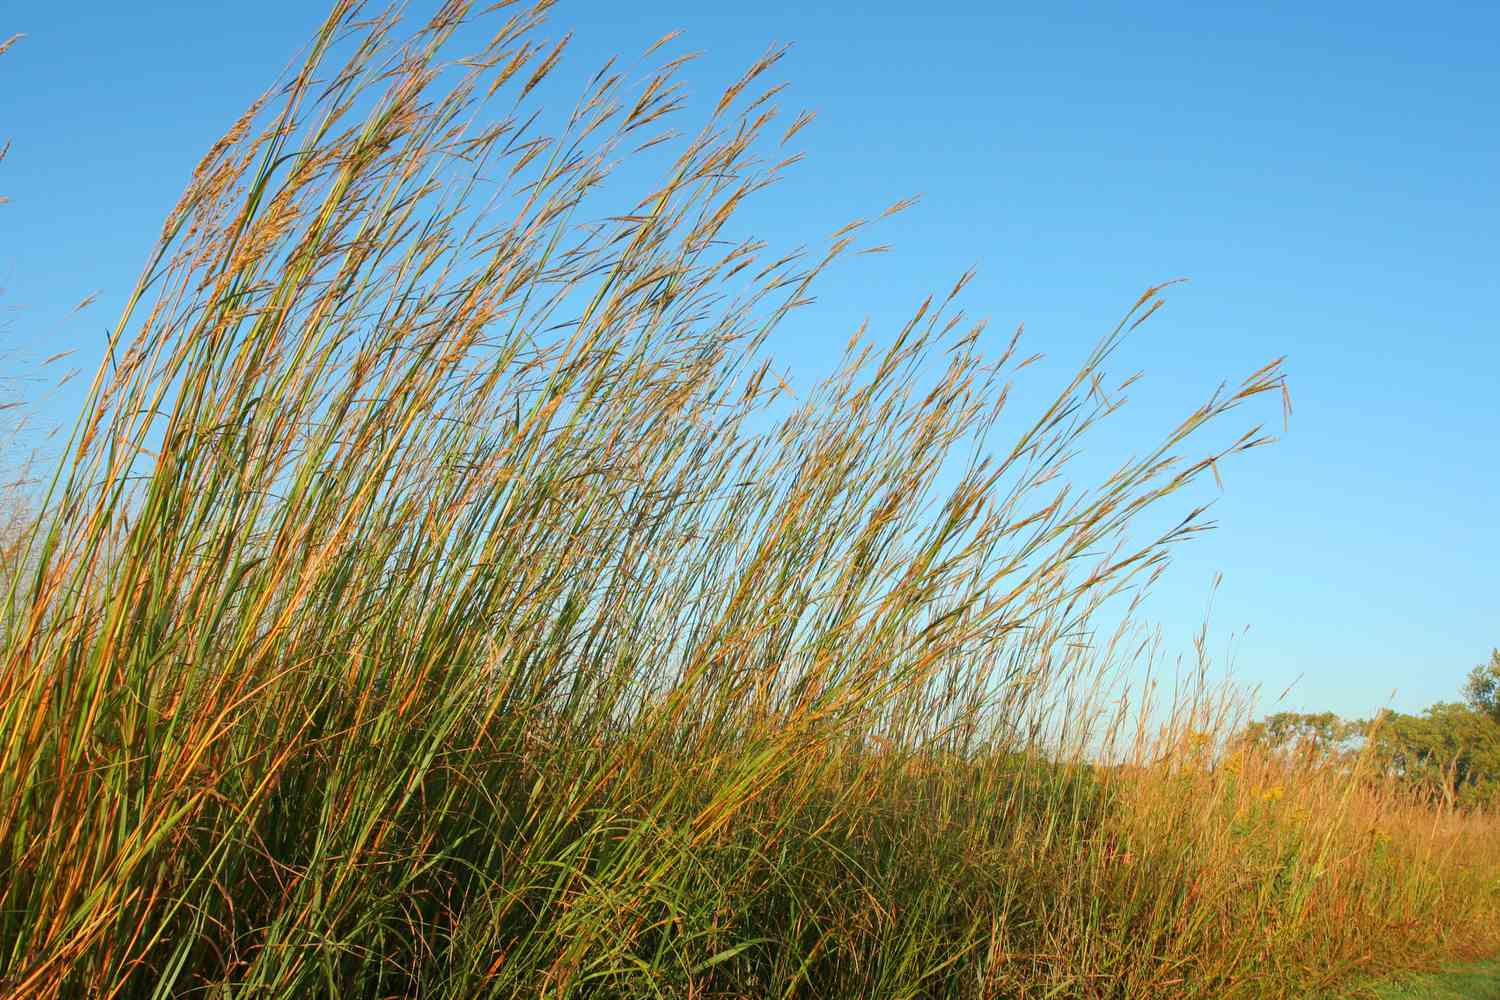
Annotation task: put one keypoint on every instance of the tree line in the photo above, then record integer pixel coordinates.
(1449, 752)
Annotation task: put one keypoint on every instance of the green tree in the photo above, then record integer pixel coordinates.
(1309, 734)
(1483, 687)
(1450, 752)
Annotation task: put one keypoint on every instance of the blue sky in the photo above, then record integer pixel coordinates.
(1325, 174)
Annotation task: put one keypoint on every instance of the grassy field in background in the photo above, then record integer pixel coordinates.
(441, 595)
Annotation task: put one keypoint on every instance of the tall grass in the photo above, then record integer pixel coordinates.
(441, 596)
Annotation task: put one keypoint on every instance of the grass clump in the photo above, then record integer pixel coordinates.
(441, 597)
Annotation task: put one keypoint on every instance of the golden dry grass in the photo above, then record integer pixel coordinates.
(440, 597)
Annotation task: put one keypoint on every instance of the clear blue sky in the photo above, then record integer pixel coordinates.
(1326, 174)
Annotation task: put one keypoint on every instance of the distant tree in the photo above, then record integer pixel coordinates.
(1450, 752)
(1308, 735)
(1483, 687)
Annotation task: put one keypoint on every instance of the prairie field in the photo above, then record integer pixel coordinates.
(441, 594)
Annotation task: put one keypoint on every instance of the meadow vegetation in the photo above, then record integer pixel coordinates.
(441, 595)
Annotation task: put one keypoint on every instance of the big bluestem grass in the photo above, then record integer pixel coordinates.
(440, 596)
